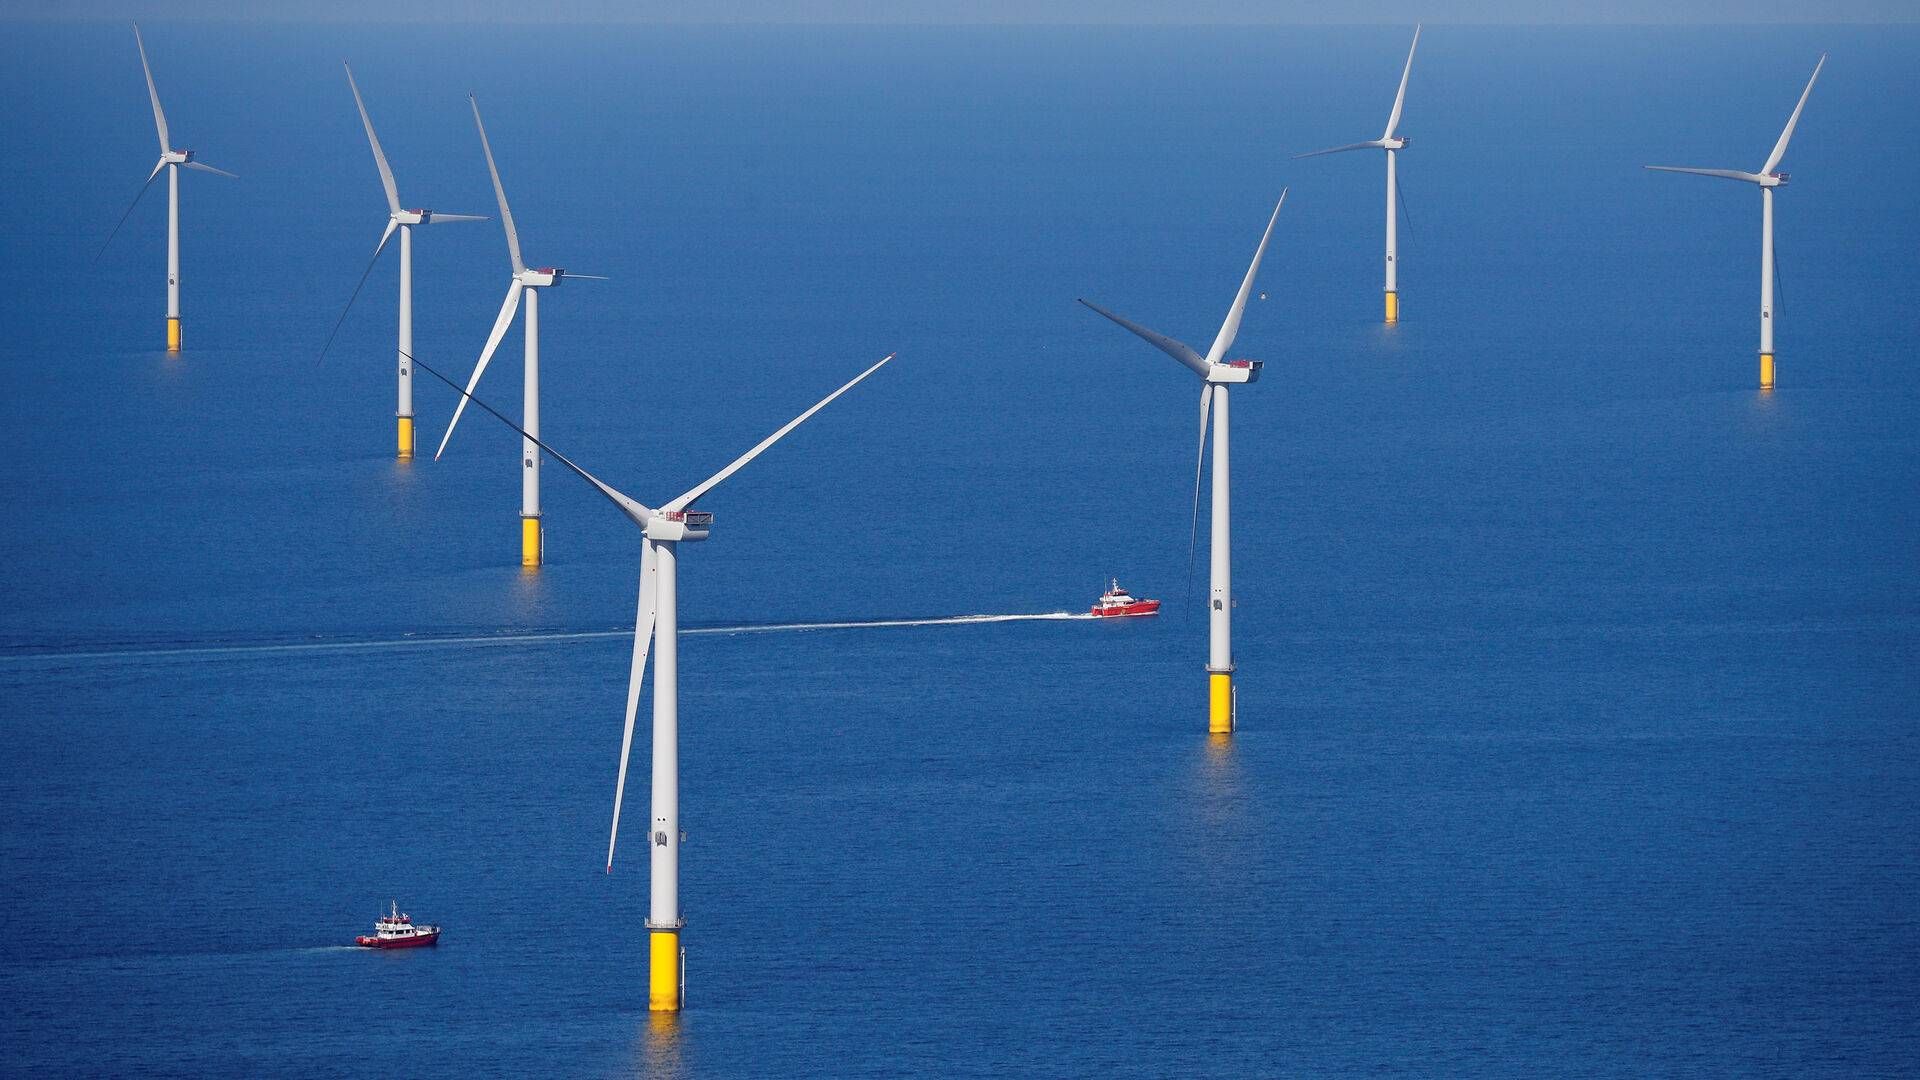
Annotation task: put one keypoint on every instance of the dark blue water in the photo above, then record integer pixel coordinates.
(1578, 679)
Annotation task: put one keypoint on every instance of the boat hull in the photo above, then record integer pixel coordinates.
(414, 941)
(1120, 611)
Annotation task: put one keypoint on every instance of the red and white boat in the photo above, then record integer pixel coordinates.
(1116, 602)
(396, 930)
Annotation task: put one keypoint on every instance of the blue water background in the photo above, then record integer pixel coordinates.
(1577, 678)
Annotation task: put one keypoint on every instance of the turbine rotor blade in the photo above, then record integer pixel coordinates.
(589, 277)
(456, 217)
(379, 155)
(1780, 148)
(1370, 144)
(1199, 463)
(358, 285)
(1779, 283)
(1179, 350)
(707, 485)
(129, 210)
(499, 193)
(159, 117)
(1400, 99)
(204, 167)
(500, 324)
(643, 623)
(1230, 329)
(634, 511)
(1724, 174)
(1400, 192)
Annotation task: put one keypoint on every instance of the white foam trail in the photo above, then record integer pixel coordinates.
(536, 637)
(949, 620)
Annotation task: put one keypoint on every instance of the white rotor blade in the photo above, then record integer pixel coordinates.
(129, 210)
(707, 485)
(642, 637)
(1199, 462)
(159, 117)
(1780, 148)
(1230, 329)
(358, 285)
(456, 217)
(1400, 99)
(1371, 144)
(589, 277)
(635, 512)
(500, 324)
(208, 168)
(379, 155)
(1725, 174)
(1179, 350)
(500, 193)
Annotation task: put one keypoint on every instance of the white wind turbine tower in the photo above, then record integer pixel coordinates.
(1216, 374)
(526, 281)
(1767, 179)
(1392, 144)
(170, 160)
(403, 221)
(662, 531)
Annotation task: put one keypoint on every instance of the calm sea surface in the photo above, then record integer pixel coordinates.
(1579, 681)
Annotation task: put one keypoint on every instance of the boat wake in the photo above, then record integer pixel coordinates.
(947, 620)
(428, 641)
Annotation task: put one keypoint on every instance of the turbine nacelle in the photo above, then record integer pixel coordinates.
(1779, 180)
(1234, 371)
(411, 217)
(1397, 142)
(678, 525)
(539, 277)
(175, 157)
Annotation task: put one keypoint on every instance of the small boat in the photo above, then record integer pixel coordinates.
(395, 930)
(1116, 602)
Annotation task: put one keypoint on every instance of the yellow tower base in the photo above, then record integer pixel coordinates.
(663, 972)
(530, 541)
(1393, 307)
(1220, 700)
(1766, 371)
(406, 438)
(173, 335)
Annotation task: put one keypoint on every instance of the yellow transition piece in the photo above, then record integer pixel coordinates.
(529, 541)
(1220, 700)
(663, 972)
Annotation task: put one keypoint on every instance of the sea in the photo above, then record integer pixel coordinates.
(1579, 679)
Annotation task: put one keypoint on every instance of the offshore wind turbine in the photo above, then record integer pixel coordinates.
(1216, 374)
(402, 221)
(1392, 143)
(1766, 179)
(171, 160)
(662, 530)
(527, 281)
